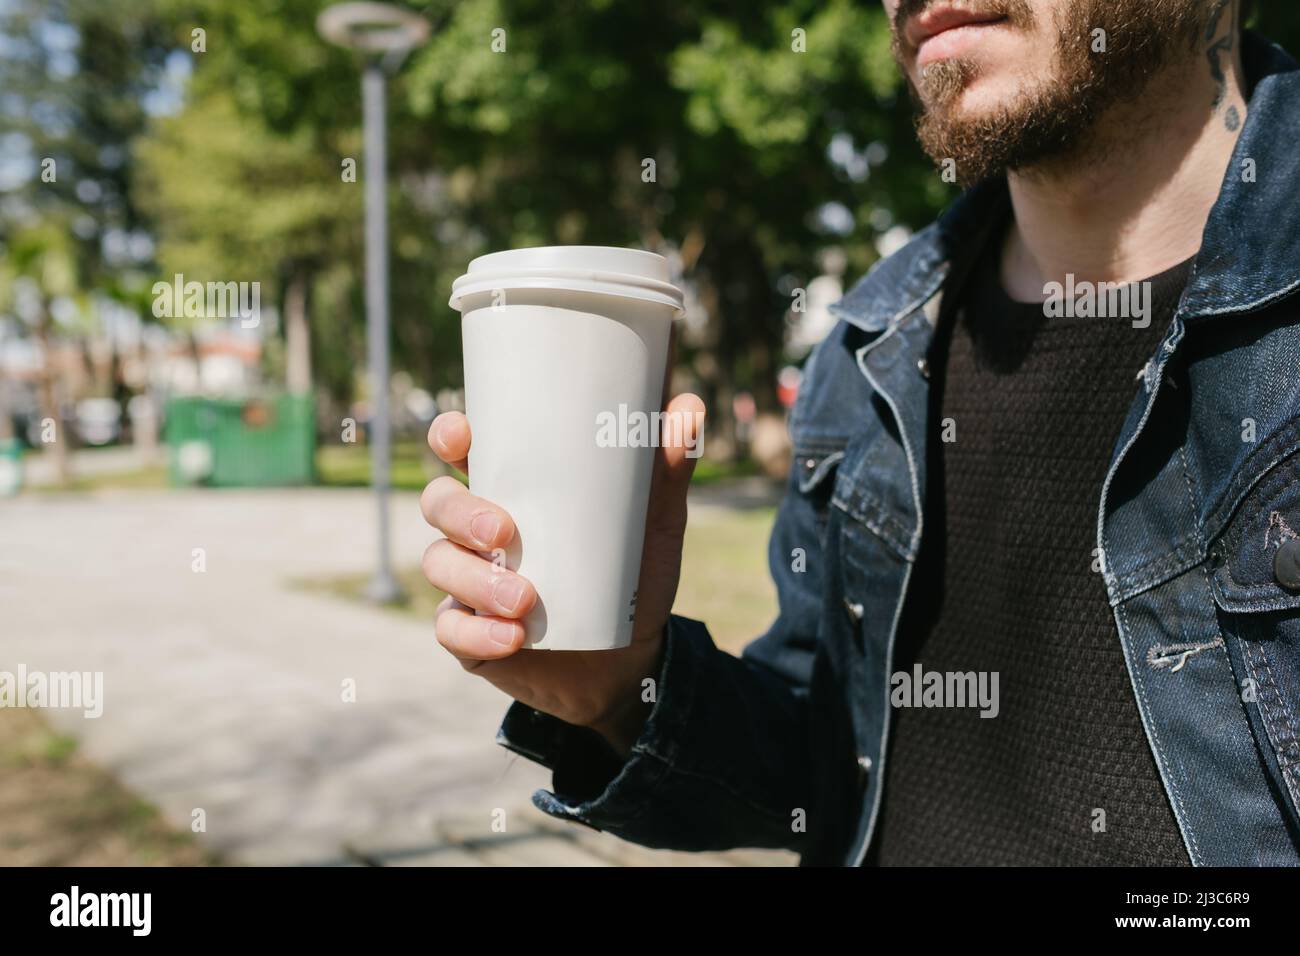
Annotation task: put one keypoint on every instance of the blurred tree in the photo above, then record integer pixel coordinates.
(749, 138)
(235, 202)
(40, 268)
(715, 126)
(75, 77)
(279, 197)
(756, 136)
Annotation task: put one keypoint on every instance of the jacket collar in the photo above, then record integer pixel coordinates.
(1250, 251)
(1250, 254)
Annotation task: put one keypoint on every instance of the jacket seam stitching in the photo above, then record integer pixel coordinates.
(1177, 795)
(876, 518)
(1240, 487)
(1266, 711)
(1163, 568)
(1288, 721)
(1247, 308)
(1193, 498)
(1233, 539)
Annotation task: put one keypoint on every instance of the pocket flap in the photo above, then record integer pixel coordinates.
(815, 465)
(1243, 559)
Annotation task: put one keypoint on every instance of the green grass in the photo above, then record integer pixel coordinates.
(708, 472)
(58, 749)
(725, 581)
(414, 466)
(419, 596)
(153, 477)
(337, 466)
(61, 810)
(724, 578)
(348, 466)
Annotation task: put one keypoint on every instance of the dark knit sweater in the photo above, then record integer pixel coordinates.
(1005, 583)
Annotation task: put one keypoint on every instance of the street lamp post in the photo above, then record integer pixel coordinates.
(384, 34)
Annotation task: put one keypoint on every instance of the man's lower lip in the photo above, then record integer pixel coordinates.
(952, 42)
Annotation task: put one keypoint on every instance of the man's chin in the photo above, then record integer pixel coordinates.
(968, 151)
(973, 92)
(986, 127)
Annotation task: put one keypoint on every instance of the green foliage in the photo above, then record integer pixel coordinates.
(771, 98)
(233, 199)
(45, 253)
(545, 142)
(542, 143)
(75, 74)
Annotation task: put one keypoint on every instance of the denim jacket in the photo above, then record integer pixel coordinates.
(1196, 535)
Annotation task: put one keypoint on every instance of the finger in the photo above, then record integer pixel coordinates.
(476, 582)
(474, 637)
(683, 436)
(449, 438)
(466, 519)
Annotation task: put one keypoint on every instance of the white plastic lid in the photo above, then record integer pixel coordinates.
(603, 270)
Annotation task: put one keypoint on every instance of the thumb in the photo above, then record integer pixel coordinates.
(681, 442)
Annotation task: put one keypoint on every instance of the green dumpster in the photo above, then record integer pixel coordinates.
(241, 442)
(11, 467)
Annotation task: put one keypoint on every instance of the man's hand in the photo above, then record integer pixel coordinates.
(596, 689)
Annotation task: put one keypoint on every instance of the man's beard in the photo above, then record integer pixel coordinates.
(1055, 120)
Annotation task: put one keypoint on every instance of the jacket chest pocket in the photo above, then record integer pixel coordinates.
(865, 544)
(815, 469)
(817, 472)
(1254, 569)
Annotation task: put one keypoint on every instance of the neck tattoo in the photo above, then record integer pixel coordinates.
(1216, 51)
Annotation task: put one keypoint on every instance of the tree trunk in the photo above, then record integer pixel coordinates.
(193, 341)
(57, 449)
(749, 325)
(6, 416)
(297, 336)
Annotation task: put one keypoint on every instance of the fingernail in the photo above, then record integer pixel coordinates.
(508, 592)
(502, 634)
(485, 528)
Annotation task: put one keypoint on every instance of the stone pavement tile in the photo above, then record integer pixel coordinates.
(467, 839)
(464, 838)
(534, 849)
(527, 819)
(630, 854)
(522, 843)
(622, 853)
(437, 856)
(398, 839)
(291, 853)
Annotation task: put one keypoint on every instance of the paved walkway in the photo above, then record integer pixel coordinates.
(224, 689)
(38, 470)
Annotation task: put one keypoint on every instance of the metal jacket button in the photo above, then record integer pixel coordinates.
(864, 770)
(1286, 564)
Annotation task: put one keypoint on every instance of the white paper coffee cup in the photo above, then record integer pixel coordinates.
(565, 352)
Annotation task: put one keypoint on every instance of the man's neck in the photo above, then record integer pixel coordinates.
(1136, 204)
